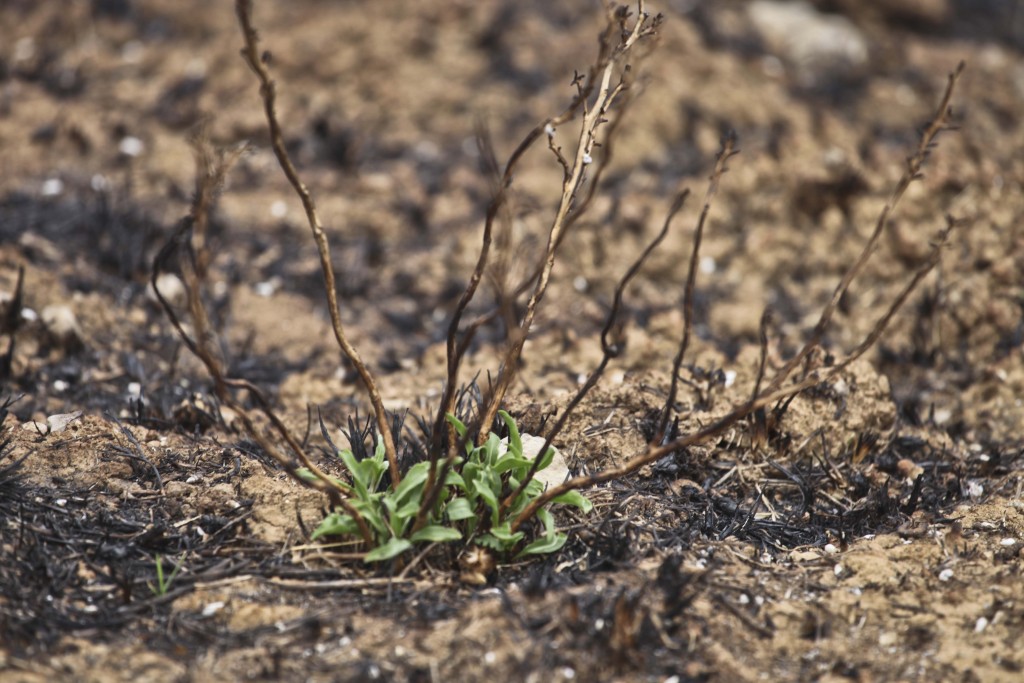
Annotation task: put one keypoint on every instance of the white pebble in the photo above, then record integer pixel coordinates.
(130, 146)
(52, 187)
(212, 608)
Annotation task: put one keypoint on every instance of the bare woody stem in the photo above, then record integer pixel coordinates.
(593, 117)
(725, 153)
(940, 121)
(773, 392)
(268, 94)
(612, 345)
(654, 453)
(457, 345)
(210, 174)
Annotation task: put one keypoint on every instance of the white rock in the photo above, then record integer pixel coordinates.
(552, 475)
(58, 423)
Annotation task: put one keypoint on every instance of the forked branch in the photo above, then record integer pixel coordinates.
(211, 170)
(655, 450)
(594, 115)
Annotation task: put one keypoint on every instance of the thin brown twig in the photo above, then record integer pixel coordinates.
(456, 346)
(268, 94)
(210, 174)
(940, 121)
(773, 393)
(610, 348)
(600, 72)
(726, 152)
(594, 115)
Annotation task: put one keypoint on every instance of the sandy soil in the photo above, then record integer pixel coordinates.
(876, 535)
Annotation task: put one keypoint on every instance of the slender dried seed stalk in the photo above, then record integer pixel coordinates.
(609, 348)
(593, 117)
(268, 93)
(940, 121)
(726, 152)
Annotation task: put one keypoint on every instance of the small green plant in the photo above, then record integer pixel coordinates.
(470, 506)
(163, 582)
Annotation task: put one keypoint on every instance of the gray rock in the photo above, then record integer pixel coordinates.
(818, 48)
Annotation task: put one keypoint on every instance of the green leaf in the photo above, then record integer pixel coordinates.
(407, 511)
(470, 473)
(435, 533)
(393, 548)
(455, 422)
(545, 545)
(336, 524)
(491, 498)
(548, 520)
(491, 449)
(575, 498)
(358, 480)
(504, 534)
(454, 479)
(534, 489)
(489, 541)
(459, 509)
(509, 462)
(545, 461)
(412, 482)
(515, 441)
(372, 515)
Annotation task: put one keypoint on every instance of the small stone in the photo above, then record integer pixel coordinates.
(821, 47)
(58, 423)
(62, 326)
(171, 288)
(130, 146)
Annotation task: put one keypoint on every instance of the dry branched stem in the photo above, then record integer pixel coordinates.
(772, 393)
(612, 345)
(616, 42)
(594, 115)
(726, 152)
(268, 93)
(211, 170)
(940, 121)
